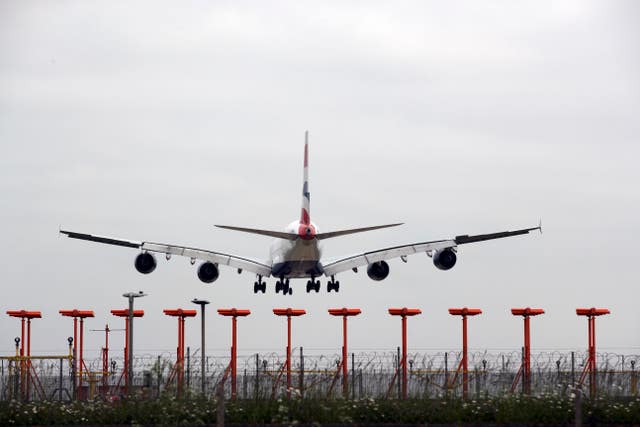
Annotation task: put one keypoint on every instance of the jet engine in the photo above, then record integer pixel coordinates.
(145, 263)
(378, 270)
(208, 272)
(445, 259)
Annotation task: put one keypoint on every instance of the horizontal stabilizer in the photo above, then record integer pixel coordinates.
(276, 234)
(331, 234)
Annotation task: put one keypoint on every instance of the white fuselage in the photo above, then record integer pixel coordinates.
(295, 258)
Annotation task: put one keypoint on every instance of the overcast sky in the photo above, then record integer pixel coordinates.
(154, 121)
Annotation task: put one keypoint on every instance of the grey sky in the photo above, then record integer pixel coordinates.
(154, 121)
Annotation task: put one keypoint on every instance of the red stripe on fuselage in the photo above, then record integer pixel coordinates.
(306, 155)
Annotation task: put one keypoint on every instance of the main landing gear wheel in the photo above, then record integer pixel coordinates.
(259, 286)
(283, 285)
(313, 285)
(333, 285)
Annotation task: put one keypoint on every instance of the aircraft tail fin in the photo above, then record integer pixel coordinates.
(305, 212)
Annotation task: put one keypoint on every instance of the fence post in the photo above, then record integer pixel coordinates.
(634, 379)
(188, 368)
(257, 382)
(301, 373)
(159, 374)
(446, 373)
(60, 382)
(522, 359)
(573, 368)
(244, 384)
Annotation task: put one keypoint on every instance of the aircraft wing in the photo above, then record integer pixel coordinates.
(193, 253)
(367, 258)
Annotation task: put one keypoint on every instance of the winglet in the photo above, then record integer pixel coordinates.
(540, 225)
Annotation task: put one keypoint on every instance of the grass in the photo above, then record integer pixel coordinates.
(167, 410)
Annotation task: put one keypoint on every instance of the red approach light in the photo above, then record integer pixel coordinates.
(526, 311)
(288, 312)
(25, 314)
(465, 311)
(179, 312)
(592, 311)
(404, 311)
(233, 312)
(344, 311)
(124, 312)
(77, 313)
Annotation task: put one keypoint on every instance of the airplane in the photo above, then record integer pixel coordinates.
(296, 252)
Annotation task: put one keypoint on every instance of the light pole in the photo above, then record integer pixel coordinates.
(201, 303)
(131, 296)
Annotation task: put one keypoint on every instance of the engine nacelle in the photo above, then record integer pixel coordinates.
(145, 263)
(378, 270)
(208, 272)
(445, 259)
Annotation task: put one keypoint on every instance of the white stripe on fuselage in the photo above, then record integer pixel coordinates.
(295, 251)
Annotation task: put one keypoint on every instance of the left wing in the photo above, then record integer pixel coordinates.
(367, 258)
(193, 253)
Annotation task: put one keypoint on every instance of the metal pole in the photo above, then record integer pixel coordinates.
(29, 360)
(345, 372)
(465, 385)
(130, 345)
(404, 357)
(202, 303)
(202, 351)
(289, 357)
(233, 357)
(81, 358)
(527, 357)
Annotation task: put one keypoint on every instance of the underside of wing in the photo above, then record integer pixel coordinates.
(443, 253)
(218, 258)
(368, 258)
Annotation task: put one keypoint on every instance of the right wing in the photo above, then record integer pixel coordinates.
(193, 253)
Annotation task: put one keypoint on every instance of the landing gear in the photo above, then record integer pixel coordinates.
(283, 285)
(313, 285)
(333, 285)
(259, 286)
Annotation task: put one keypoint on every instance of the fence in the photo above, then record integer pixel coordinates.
(371, 374)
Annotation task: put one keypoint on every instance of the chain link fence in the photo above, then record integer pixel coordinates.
(370, 375)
